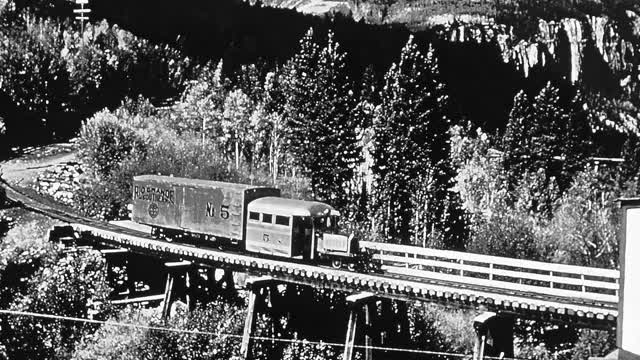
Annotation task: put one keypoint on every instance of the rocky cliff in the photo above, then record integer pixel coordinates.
(563, 42)
(566, 45)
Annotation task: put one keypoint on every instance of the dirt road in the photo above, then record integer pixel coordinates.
(23, 171)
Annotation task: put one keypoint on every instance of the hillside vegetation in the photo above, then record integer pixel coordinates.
(441, 138)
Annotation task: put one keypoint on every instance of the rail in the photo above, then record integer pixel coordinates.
(594, 284)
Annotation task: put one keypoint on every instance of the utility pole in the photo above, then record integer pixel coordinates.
(83, 15)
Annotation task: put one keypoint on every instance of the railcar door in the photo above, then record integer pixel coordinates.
(302, 232)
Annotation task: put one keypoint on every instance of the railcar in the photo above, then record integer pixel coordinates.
(251, 218)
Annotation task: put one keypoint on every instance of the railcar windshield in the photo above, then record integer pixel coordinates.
(326, 223)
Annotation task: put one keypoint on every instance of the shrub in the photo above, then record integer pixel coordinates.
(105, 142)
(443, 329)
(68, 287)
(22, 253)
(111, 342)
(509, 233)
(585, 223)
(594, 343)
(103, 199)
(215, 317)
(304, 351)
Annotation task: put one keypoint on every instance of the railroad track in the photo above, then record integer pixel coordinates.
(405, 285)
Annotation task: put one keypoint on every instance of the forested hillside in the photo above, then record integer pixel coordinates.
(510, 134)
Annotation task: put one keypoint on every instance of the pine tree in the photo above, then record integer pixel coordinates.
(299, 95)
(338, 141)
(320, 130)
(549, 138)
(578, 142)
(411, 149)
(516, 141)
(363, 115)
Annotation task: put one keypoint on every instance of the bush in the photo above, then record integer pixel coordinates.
(22, 254)
(215, 317)
(510, 233)
(111, 342)
(585, 223)
(304, 351)
(68, 287)
(105, 141)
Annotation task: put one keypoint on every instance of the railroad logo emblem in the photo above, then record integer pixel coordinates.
(265, 237)
(153, 210)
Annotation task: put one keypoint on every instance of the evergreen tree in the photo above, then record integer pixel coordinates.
(320, 132)
(516, 142)
(578, 142)
(363, 114)
(548, 130)
(411, 151)
(338, 142)
(299, 102)
(549, 138)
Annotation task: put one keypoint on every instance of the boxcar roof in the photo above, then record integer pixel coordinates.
(193, 182)
(291, 207)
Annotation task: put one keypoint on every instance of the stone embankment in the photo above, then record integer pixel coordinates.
(61, 182)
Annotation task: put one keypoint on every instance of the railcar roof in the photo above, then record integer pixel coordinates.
(193, 182)
(292, 207)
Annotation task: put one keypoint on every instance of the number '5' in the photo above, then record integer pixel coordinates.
(224, 211)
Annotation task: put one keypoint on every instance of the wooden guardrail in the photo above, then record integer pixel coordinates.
(534, 277)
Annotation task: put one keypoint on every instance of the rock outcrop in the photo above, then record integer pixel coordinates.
(556, 41)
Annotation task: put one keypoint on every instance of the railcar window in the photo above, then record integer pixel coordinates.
(266, 218)
(282, 220)
(254, 216)
(320, 223)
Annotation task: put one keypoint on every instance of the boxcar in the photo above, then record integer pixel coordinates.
(210, 208)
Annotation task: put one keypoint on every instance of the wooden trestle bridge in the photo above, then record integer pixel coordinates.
(518, 288)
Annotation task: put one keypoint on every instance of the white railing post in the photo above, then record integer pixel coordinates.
(551, 279)
(461, 270)
(490, 271)
(582, 278)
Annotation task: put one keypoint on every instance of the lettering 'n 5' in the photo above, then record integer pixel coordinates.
(211, 210)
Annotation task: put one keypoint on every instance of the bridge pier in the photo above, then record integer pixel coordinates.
(494, 336)
(176, 271)
(255, 286)
(360, 303)
(117, 258)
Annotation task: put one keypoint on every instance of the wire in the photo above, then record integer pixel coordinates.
(235, 336)
(222, 335)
